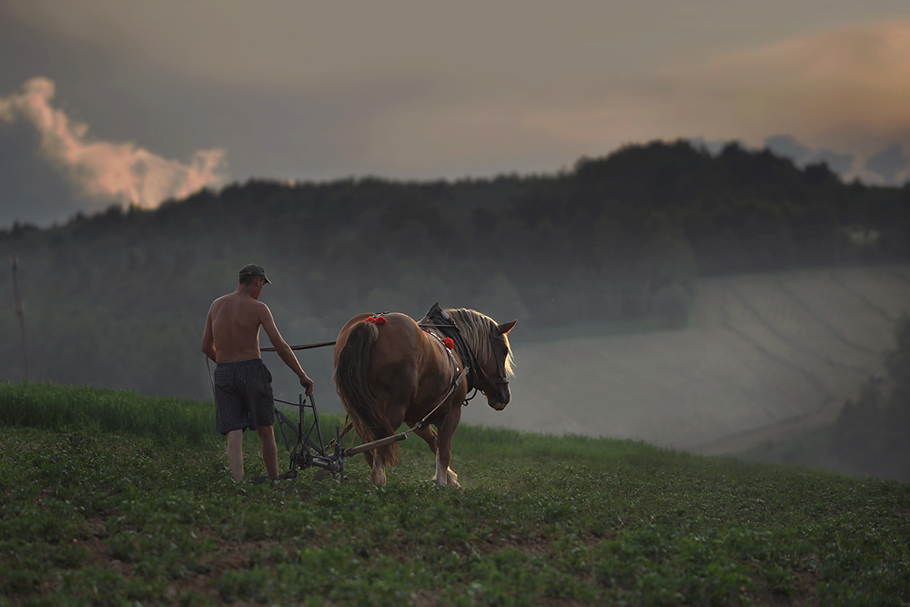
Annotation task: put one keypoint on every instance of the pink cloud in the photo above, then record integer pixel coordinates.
(107, 171)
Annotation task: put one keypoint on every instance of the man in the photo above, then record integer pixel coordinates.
(243, 384)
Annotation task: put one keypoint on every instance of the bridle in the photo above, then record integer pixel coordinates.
(477, 371)
(502, 380)
(476, 374)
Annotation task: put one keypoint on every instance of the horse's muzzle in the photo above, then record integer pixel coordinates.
(499, 398)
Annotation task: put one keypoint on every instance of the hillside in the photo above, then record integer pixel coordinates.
(762, 354)
(106, 511)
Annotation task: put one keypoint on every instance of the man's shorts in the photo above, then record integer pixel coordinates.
(243, 395)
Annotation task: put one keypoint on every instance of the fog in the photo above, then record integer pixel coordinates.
(762, 354)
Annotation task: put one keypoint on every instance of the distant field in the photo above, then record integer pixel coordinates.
(763, 354)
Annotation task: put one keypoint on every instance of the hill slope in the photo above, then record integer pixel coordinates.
(761, 353)
(149, 514)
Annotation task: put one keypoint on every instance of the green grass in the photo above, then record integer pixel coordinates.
(92, 516)
(39, 405)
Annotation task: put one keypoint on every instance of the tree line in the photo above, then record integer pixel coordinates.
(119, 298)
(871, 431)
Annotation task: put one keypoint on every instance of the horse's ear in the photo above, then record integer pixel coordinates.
(506, 327)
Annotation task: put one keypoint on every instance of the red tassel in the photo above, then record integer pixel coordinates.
(376, 320)
(449, 342)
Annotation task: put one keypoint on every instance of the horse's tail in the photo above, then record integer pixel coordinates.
(352, 374)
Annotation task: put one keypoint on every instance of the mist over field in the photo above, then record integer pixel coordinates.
(761, 355)
(707, 301)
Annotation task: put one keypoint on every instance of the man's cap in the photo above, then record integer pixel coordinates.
(252, 269)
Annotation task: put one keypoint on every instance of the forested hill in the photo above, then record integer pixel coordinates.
(119, 298)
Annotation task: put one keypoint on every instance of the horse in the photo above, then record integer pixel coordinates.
(389, 370)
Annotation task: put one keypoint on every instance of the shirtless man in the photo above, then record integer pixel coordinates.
(243, 384)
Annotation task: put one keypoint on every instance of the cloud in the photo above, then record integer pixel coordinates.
(838, 95)
(888, 163)
(787, 145)
(802, 155)
(106, 171)
(842, 164)
(429, 90)
(842, 89)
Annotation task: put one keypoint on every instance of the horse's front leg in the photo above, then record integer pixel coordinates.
(428, 434)
(444, 474)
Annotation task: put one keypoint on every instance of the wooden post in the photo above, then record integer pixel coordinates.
(20, 312)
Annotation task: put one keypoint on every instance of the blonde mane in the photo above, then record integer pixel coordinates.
(477, 329)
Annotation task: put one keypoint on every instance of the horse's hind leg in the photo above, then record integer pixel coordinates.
(428, 434)
(377, 472)
(377, 467)
(383, 455)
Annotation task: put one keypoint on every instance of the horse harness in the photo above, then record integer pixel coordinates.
(438, 321)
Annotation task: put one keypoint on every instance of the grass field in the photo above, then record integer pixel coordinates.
(101, 509)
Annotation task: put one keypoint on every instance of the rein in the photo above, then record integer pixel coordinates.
(303, 347)
(208, 367)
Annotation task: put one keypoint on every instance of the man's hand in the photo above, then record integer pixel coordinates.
(307, 383)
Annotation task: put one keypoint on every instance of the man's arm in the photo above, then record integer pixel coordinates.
(208, 339)
(283, 349)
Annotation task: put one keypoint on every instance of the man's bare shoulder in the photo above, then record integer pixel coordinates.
(237, 303)
(219, 303)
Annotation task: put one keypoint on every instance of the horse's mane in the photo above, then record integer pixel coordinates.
(477, 329)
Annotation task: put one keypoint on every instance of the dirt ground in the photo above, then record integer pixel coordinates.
(763, 354)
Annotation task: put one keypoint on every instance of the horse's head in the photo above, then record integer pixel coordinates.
(490, 352)
(496, 366)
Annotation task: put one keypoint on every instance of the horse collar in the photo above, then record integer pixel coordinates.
(445, 345)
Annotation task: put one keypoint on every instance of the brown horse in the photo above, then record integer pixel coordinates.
(389, 371)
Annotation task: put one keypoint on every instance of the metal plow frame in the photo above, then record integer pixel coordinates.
(305, 444)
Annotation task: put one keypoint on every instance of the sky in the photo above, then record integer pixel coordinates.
(107, 103)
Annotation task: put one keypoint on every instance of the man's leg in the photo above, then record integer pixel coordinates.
(269, 450)
(235, 453)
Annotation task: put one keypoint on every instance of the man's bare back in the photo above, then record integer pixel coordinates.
(235, 320)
